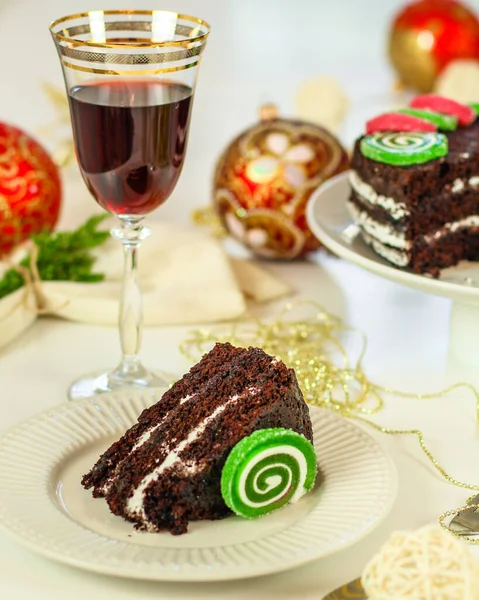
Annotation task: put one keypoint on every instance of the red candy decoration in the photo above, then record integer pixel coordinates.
(30, 188)
(465, 114)
(427, 35)
(399, 122)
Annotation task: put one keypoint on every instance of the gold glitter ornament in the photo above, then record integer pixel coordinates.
(263, 181)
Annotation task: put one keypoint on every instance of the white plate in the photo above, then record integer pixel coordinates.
(43, 504)
(329, 220)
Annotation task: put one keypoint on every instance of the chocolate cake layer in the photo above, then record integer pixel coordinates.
(166, 470)
(422, 225)
(218, 359)
(447, 252)
(422, 216)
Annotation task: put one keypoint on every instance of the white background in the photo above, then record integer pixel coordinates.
(259, 50)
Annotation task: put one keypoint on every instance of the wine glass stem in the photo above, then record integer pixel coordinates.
(131, 234)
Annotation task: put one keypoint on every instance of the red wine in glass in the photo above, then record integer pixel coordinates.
(130, 139)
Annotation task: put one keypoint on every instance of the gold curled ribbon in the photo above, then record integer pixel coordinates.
(33, 283)
(312, 346)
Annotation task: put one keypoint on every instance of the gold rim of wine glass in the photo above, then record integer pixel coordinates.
(137, 44)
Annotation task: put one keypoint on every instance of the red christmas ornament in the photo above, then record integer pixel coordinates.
(264, 179)
(427, 35)
(30, 188)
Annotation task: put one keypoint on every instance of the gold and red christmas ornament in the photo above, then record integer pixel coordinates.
(427, 35)
(30, 188)
(264, 179)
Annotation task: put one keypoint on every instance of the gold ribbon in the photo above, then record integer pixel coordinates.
(33, 283)
(312, 346)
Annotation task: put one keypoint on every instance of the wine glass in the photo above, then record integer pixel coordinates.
(130, 77)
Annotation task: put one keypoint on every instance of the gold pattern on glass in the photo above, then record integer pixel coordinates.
(122, 72)
(65, 35)
(146, 26)
(130, 59)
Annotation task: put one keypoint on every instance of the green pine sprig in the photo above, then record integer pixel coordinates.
(62, 256)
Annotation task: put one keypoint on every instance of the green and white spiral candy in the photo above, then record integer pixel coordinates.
(266, 470)
(404, 148)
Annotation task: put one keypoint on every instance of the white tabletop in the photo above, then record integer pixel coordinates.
(260, 50)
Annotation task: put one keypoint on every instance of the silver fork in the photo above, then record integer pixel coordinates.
(467, 521)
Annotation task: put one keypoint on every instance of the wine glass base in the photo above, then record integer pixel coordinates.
(113, 381)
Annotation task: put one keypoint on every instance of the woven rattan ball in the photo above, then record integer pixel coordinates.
(427, 564)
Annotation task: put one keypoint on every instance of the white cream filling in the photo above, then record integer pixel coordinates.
(397, 257)
(105, 488)
(383, 232)
(149, 432)
(460, 184)
(384, 239)
(135, 505)
(397, 210)
(401, 258)
(466, 223)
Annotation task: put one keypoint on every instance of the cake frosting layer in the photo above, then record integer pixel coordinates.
(383, 232)
(400, 258)
(458, 242)
(368, 194)
(388, 236)
(165, 471)
(461, 195)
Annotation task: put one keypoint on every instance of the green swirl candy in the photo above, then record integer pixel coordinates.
(266, 470)
(404, 148)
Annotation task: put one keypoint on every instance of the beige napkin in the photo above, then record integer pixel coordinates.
(186, 278)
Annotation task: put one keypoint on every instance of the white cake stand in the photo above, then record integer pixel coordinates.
(331, 223)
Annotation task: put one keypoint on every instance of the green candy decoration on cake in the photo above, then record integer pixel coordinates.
(475, 107)
(404, 148)
(442, 121)
(266, 471)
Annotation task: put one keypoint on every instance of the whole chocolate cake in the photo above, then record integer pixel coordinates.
(167, 469)
(419, 210)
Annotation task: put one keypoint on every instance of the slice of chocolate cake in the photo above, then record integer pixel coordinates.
(166, 469)
(425, 216)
